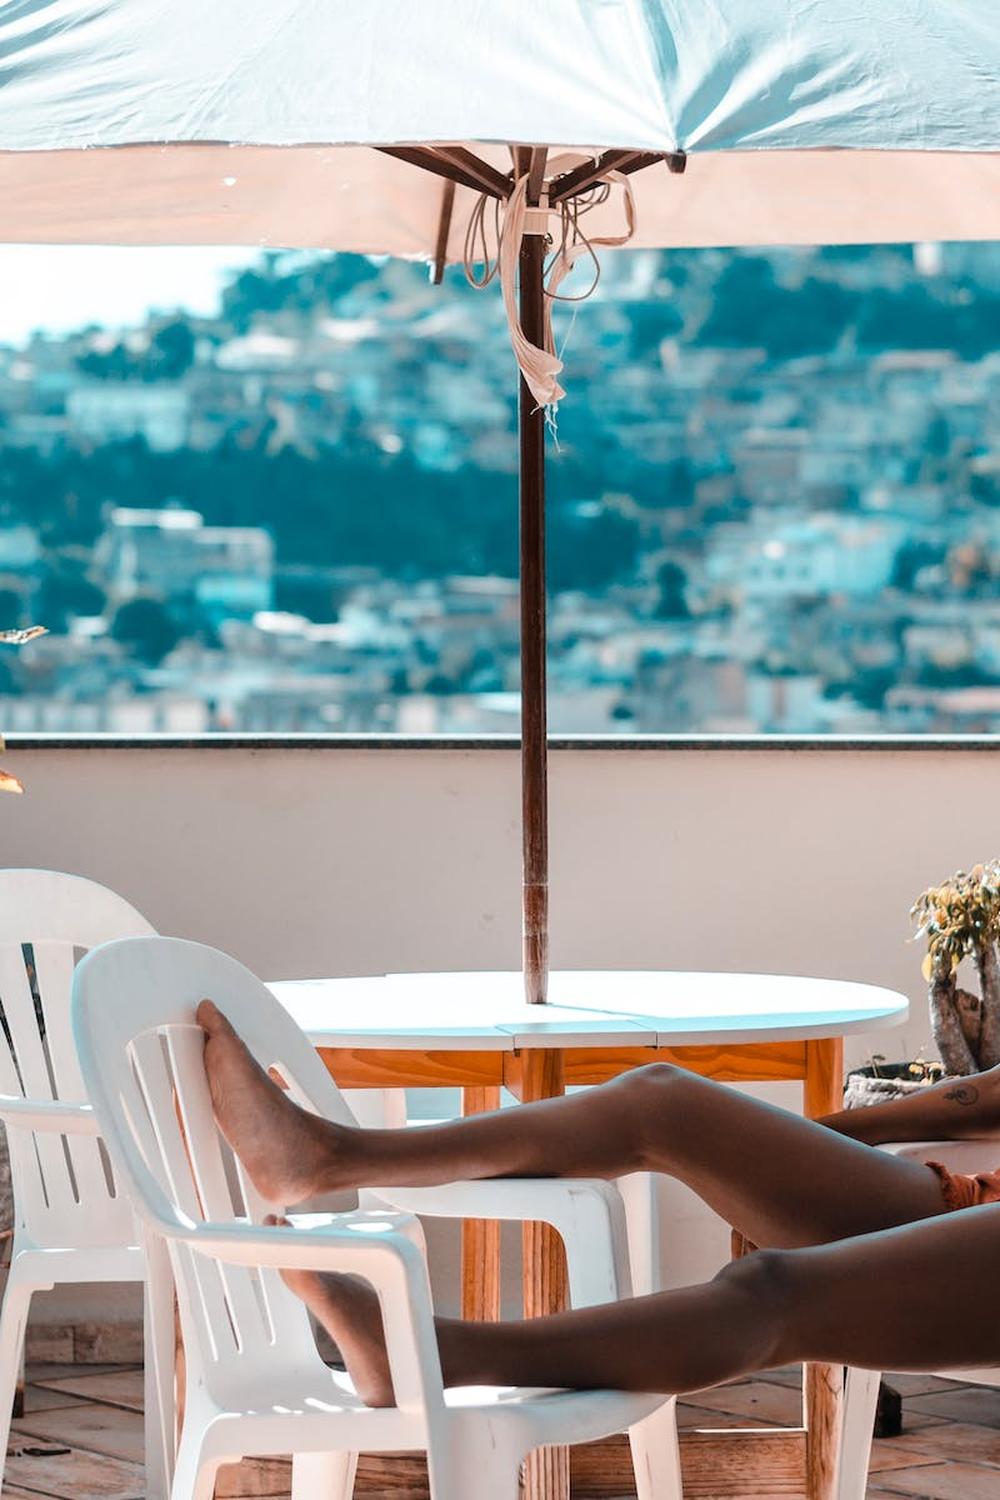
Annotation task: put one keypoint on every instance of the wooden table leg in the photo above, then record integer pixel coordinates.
(480, 1237)
(540, 1074)
(823, 1385)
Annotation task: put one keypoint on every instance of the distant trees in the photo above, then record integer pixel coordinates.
(283, 282)
(671, 586)
(751, 309)
(930, 317)
(66, 593)
(913, 557)
(336, 508)
(168, 355)
(11, 608)
(590, 550)
(147, 627)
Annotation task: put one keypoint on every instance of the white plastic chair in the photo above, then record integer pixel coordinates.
(70, 1225)
(256, 1384)
(386, 1108)
(862, 1386)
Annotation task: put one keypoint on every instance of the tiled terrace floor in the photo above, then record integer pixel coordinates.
(81, 1438)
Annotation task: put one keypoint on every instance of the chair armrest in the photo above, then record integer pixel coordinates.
(587, 1213)
(381, 1248)
(981, 1154)
(49, 1115)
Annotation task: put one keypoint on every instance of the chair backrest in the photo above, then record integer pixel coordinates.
(142, 1057)
(64, 1193)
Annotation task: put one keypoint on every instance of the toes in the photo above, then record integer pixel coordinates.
(210, 1019)
(208, 1015)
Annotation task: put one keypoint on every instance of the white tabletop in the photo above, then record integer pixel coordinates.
(487, 1011)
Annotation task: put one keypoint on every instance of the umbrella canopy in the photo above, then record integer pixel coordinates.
(663, 122)
(752, 90)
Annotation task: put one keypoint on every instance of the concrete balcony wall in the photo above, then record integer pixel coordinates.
(343, 860)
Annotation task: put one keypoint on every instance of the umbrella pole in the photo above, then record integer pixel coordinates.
(534, 764)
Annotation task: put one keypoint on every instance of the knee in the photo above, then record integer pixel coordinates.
(654, 1080)
(767, 1274)
(766, 1282)
(651, 1093)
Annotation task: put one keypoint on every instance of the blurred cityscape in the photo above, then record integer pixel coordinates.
(774, 503)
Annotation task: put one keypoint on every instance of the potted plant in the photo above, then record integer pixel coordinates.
(959, 919)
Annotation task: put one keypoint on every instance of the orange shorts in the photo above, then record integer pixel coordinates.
(963, 1191)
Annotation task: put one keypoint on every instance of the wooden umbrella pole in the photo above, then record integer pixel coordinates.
(534, 767)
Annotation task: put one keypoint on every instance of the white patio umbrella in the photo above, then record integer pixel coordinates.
(385, 127)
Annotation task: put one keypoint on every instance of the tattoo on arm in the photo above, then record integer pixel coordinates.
(965, 1094)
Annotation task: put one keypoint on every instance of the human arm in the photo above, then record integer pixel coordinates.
(953, 1110)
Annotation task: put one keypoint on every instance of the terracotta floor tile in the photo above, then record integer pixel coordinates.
(942, 1482)
(121, 1388)
(951, 1440)
(73, 1475)
(96, 1429)
(254, 1478)
(37, 1398)
(775, 1405)
(790, 1375)
(705, 1416)
(976, 1404)
(893, 1453)
(11, 1492)
(908, 1384)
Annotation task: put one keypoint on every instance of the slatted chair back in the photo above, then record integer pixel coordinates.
(143, 1054)
(64, 1189)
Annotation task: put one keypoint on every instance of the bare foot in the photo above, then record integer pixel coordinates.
(348, 1309)
(288, 1153)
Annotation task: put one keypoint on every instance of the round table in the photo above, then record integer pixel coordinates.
(475, 1031)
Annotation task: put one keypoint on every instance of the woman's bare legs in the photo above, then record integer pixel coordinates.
(783, 1180)
(874, 1302)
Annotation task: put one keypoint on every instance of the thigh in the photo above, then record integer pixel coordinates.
(921, 1297)
(782, 1180)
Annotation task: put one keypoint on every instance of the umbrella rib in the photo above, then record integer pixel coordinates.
(583, 177)
(429, 161)
(536, 172)
(444, 229)
(488, 177)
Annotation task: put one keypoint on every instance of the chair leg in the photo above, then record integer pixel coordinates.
(159, 1357)
(13, 1323)
(656, 1455)
(860, 1402)
(323, 1476)
(194, 1471)
(638, 1192)
(485, 1473)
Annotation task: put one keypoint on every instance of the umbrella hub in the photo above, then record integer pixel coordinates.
(562, 224)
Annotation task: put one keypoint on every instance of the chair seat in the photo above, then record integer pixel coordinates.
(68, 1263)
(313, 1407)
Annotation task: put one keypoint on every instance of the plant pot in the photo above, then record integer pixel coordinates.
(880, 1082)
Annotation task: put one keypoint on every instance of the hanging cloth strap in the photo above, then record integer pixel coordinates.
(542, 366)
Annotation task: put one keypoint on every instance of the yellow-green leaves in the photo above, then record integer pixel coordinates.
(22, 637)
(959, 917)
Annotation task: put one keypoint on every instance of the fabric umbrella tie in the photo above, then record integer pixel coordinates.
(542, 366)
